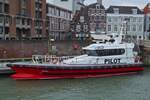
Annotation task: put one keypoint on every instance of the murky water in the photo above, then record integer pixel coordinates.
(133, 87)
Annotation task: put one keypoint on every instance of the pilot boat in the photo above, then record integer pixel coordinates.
(111, 57)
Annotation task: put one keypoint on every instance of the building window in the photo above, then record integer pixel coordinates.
(134, 11)
(38, 31)
(38, 5)
(134, 19)
(92, 18)
(115, 19)
(78, 28)
(64, 0)
(109, 27)
(81, 19)
(23, 12)
(97, 25)
(134, 28)
(140, 27)
(92, 26)
(115, 28)
(38, 14)
(85, 28)
(149, 28)
(116, 10)
(18, 20)
(7, 20)
(97, 6)
(57, 12)
(51, 11)
(1, 19)
(128, 27)
(97, 18)
(23, 21)
(38, 23)
(1, 30)
(140, 19)
(23, 3)
(1, 7)
(127, 19)
(102, 11)
(109, 19)
(6, 9)
(6, 30)
(28, 22)
(102, 18)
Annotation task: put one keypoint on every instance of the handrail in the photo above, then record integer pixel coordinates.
(15, 59)
(52, 59)
(49, 58)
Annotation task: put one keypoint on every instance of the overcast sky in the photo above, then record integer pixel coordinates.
(107, 3)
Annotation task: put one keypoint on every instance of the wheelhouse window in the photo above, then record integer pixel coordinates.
(105, 52)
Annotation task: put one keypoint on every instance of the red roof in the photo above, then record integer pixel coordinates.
(147, 9)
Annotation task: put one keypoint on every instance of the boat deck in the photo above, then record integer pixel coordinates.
(5, 70)
(72, 66)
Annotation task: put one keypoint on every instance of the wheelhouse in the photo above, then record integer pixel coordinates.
(105, 52)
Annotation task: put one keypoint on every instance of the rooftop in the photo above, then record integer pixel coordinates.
(124, 9)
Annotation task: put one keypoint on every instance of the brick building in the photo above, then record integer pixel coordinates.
(22, 19)
(58, 21)
(89, 19)
(97, 18)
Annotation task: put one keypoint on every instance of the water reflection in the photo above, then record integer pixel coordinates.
(135, 87)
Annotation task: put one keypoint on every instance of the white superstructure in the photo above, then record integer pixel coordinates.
(112, 51)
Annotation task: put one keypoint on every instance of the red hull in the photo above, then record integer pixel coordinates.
(41, 73)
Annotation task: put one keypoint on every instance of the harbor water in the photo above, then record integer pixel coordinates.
(129, 87)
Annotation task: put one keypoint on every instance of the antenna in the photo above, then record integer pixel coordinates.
(99, 1)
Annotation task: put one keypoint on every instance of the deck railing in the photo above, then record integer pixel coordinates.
(49, 58)
(52, 59)
(147, 43)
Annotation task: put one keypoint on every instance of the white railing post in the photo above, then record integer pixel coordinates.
(49, 58)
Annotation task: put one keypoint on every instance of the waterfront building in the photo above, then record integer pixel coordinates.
(134, 17)
(90, 19)
(58, 21)
(72, 5)
(147, 21)
(80, 24)
(97, 18)
(22, 19)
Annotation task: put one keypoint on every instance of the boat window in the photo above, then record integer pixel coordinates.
(90, 52)
(105, 52)
(110, 52)
(84, 52)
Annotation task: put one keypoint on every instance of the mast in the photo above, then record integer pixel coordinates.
(99, 1)
(49, 41)
(49, 44)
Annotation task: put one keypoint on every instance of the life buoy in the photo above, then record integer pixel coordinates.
(55, 61)
(137, 58)
(75, 46)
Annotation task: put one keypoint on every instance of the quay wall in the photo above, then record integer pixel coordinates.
(146, 52)
(27, 48)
